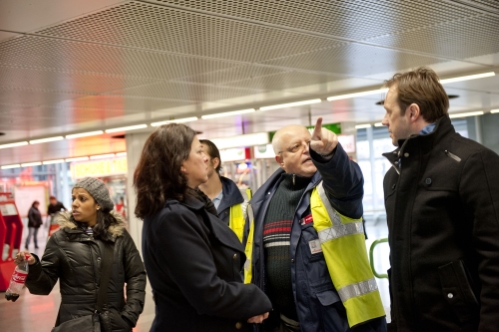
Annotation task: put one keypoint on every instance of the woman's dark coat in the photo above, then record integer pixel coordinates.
(34, 218)
(443, 221)
(74, 257)
(193, 261)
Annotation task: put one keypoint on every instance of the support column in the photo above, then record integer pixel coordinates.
(134, 145)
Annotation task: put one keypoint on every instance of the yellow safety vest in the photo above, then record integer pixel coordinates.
(343, 245)
(248, 249)
(237, 219)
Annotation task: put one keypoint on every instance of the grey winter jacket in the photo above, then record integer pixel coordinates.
(74, 257)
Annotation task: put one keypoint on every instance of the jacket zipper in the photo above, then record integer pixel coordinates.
(453, 156)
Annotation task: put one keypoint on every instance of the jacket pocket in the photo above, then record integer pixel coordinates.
(327, 297)
(457, 290)
(325, 293)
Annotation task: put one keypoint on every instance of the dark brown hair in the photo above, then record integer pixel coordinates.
(158, 176)
(421, 87)
(213, 152)
(101, 229)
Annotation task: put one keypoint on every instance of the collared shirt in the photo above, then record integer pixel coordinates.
(427, 129)
(216, 201)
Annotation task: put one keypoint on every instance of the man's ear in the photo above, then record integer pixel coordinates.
(279, 160)
(414, 112)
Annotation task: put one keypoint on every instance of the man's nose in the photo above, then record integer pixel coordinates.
(306, 149)
(384, 122)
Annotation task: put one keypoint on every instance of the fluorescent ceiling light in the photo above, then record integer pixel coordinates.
(128, 128)
(494, 111)
(90, 133)
(358, 94)
(298, 103)
(467, 78)
(241, 140)
(102, 156)
(360, 126)
(55, 161)
(36, 163)
(11, 166)
(44, 140)
(219, 115)
(378, 124)
(463, 115)
(160, 123)
(11, 145)
(76, 159)
(121, 154)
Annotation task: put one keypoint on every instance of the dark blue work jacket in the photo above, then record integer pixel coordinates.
(318, 305)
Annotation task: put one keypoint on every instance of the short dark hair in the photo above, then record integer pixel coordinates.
(213, 152)
(34, 203)
(422, 87)
(157, 176)
(52, 197)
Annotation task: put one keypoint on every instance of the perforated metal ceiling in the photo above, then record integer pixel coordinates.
(130, 62)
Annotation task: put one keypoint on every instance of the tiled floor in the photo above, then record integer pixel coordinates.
(38, 313)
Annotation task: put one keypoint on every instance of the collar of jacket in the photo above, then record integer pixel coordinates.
(218, 228)
(425, 143)
(273, 181)
(232, 195)
(64, 221)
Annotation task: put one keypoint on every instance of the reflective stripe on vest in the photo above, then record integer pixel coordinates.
(236, 220)
(248, 249)
(343, 245)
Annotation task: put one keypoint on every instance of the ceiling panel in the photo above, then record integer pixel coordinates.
(459, 39)
(354, 20)
(66, 56)
(187, 91)
(145, 26)
(69, 67)
(355, 59)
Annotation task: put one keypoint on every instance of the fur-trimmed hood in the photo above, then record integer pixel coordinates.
(64, 220)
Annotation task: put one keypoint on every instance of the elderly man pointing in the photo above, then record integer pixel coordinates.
(306, 245)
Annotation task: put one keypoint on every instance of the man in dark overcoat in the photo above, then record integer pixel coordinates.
(442, 206)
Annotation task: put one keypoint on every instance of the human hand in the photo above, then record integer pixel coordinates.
(323, 141)
(22, 256)
(259, 318)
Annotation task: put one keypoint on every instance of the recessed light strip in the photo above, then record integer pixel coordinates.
(220, 115)
(253, 139)
(11, 145)
(467, 78)
(378, 124)
(45, 140)
(494, 111)
(127, 128)
(76, 159)
(358, 94)
(36, 163)
(298, 103)
(11, 166)
(90, 133)
(361, 126)
(102, 156)
(464, 115)
(181, 120)
(55, 161)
